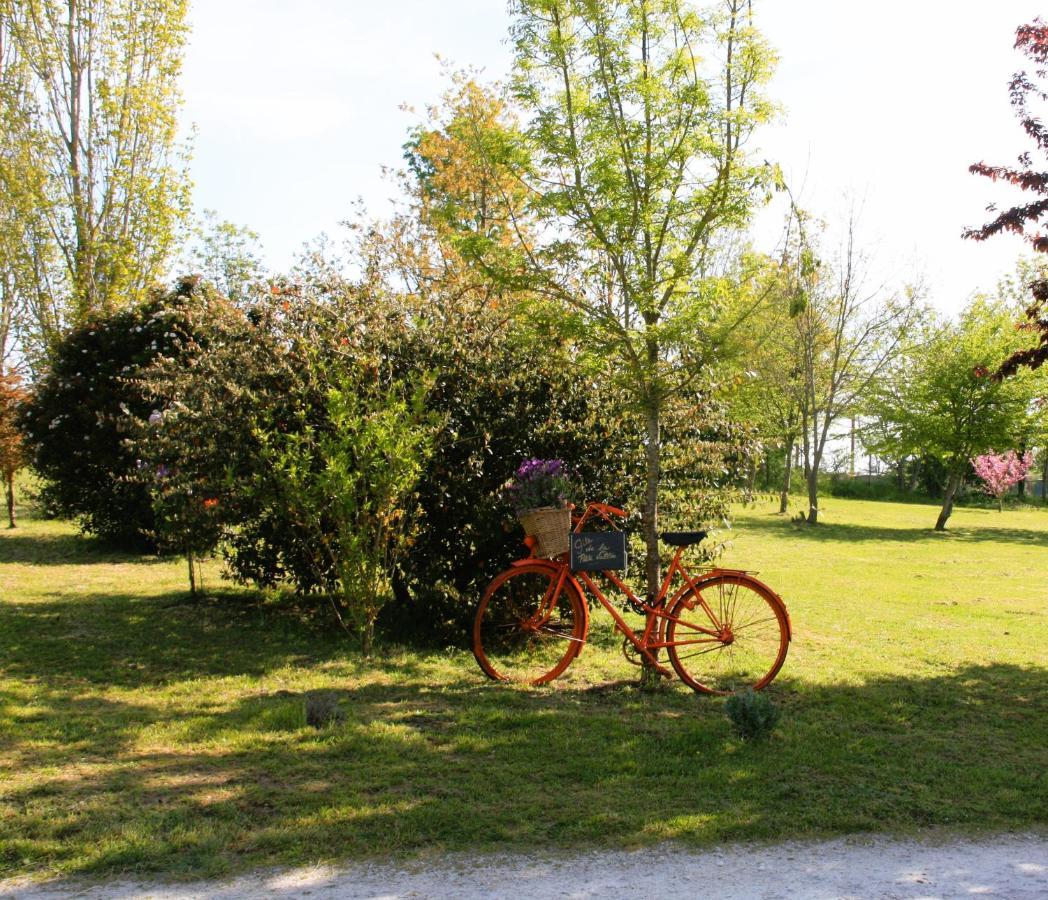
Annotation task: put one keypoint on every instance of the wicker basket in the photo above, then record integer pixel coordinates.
(549, 526)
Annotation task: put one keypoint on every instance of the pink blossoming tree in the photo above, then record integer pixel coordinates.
(999, 471)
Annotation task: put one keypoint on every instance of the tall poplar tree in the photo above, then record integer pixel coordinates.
(93, 187)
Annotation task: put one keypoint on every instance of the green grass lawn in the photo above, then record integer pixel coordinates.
(142, 733)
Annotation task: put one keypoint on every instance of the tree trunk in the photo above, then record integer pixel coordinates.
(1020, 487)
(787, 476)
(813, 494)
(751, 480)
(952, 484)
(9, 490)
(190, 559)
(649, 676)
(1044, 478)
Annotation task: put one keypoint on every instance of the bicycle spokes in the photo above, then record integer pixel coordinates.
(744, 647)
(529, 626)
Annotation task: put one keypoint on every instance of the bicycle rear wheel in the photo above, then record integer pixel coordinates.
(751, 640)
(522, 632)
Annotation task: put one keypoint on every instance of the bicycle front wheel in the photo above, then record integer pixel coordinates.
(526, 630)
(741, 645)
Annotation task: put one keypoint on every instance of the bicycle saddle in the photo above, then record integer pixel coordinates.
(682, 538)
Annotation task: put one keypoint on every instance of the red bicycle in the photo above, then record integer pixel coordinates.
(723, 630)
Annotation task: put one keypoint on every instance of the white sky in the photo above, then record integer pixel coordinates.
(297, 108)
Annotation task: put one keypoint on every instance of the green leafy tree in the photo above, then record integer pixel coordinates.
(848, 334)
(227, 256)
(511, 383)
(763, 369)
(93, 188)
(634, 162)
(940, 401)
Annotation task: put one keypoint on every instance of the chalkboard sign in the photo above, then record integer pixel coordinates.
(595, 551)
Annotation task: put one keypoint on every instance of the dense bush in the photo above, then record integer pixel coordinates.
(862, 488)
(496, 399)
(79, 414)
(501, 400)
(258, 381)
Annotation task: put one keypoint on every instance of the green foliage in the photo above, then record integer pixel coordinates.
(348, 483)
(941, 403)
(81, 413)
(633, 162)
(227, 256)
(501, 400)
(753, 715)
(93, 186)
(264, 422)
(859, 488)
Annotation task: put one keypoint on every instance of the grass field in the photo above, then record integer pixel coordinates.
(139, 732)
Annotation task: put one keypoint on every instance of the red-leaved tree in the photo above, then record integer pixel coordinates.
(12, 453)
(1027, 219)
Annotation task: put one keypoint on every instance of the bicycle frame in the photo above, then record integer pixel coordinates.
(652, 639)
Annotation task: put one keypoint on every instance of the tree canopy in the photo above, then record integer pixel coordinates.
(1026, 219)
(633, 155)
(93, 187)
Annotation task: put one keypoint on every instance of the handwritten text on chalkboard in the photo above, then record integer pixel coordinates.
(593, 551)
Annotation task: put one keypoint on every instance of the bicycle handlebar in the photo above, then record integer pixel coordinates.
(604, 507)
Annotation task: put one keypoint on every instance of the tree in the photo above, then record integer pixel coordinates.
(770, 390)
(12, 449)
(1027, 219)
(1001, 471)
(634, 161)
(848, 332)
(939, 400)
(227, 256)
(93, 188)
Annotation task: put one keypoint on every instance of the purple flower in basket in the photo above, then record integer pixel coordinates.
(540, 483)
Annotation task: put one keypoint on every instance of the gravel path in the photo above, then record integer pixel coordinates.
(1011, 866)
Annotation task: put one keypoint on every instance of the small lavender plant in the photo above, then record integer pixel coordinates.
(538, 483)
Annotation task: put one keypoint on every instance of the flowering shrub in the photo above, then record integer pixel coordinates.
(81, 412)
(277, 439)
(540, 482)
(999, 471)
(250, 423)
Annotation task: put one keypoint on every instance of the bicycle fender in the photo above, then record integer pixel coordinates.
(551, 566)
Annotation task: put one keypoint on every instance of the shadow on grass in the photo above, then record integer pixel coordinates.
(849, 533)
(467, 765)
(129, 744)
(127, 640)
(62, 549)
